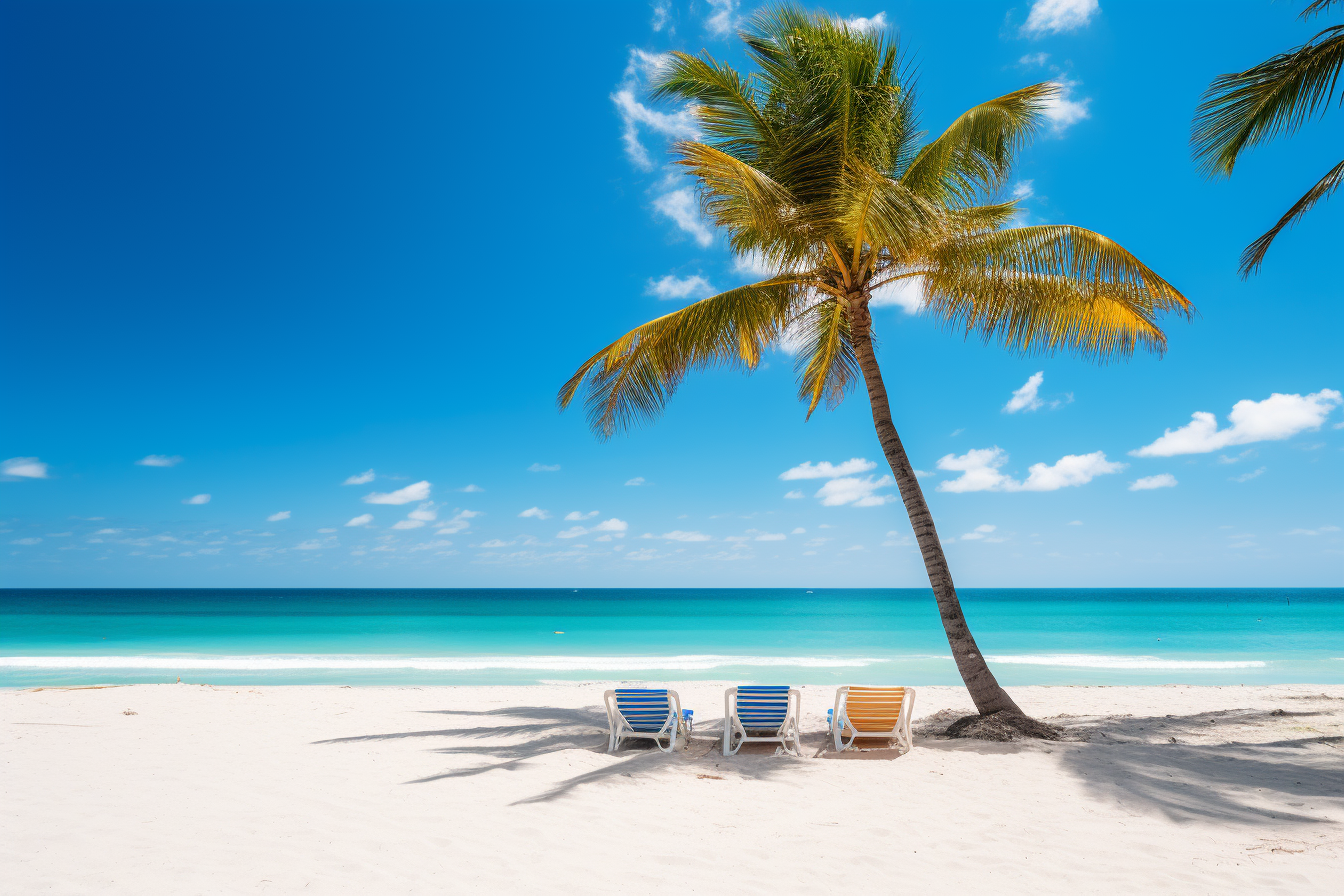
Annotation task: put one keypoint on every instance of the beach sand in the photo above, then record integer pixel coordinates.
(507, 790)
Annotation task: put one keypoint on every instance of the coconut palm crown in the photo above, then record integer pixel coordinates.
(1276, 97)
(815, 164)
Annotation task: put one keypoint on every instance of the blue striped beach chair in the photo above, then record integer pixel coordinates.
(761, 713)
(645, 712)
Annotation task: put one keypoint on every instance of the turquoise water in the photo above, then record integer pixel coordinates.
(332, 636)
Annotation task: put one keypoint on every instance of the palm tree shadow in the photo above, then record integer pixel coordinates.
(1149, 764)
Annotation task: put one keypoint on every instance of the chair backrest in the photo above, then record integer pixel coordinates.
(643, 707)
(762, 706)
(874, 709)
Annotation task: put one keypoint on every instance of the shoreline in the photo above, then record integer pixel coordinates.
(476, 788)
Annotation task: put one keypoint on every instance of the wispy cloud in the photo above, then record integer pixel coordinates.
(1034, 59)
(197, 499)
(1026, 398)
(607, 529)
(277, 517)
(159, 460)
(681, 206)
(578, 515)
(1161, 480)
(722, 17)
(535, 513)
(1247, 477)
(679, 535)
(1062, 110)
(471, 488)
(23, 468)
(359, 478)
(416, 491)
(1275, 418)
(362, 520)
(868, 23)
(459, 523)
(979, 533)
(827, 470)
(637, 480)
(673, 287)
(1058, 16)
(661, 10)
(1323, 530)
(980, 472)
(793, 495)
(678, 125)
(906, 294)
(543, 468)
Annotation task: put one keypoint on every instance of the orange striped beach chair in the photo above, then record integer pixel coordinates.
(871, 712)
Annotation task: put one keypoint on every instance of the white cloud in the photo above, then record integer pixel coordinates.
(1062, 110)
(980, 472)
(611, 525)
(1025, 398)
(753, 264)
(362, 520)
(309, 545)
(326, 531)
(854, 491)
(828, 470)
(1058, 16)
(660, 11)
(425, 513)
(1034, 59)
(1322, 530)
(471, 488)
(535, 513)
(416, 491)
(873, 23)
(543, 468)
(681, 206)
(978, 532)
(642, 554)
(678, 125)
(26, 541)
(159, 460)
(769, 536)
(638, 480)
(722, 17)
(1023, 189)
(23, 468)
(359, 478)
(678, 535)
(408, 524)
(1247, 477)
(793, 494)
(1161, 480)
(197, 499)
(572, 532)
(906, 294)
(1277, 417)
(672, 287)
(575, 515)
(277, 517)
(458, 523)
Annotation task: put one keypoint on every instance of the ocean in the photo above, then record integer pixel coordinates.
(789, 636)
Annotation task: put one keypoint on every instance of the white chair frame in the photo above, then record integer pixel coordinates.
(619, 729)
(732, 727)
(841, 726)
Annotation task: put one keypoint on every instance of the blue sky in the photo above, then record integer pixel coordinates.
(254, 251)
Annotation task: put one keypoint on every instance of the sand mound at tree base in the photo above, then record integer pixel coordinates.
(1001, 726)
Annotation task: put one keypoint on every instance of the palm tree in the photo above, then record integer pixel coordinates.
(1276, 97)
(814, 163)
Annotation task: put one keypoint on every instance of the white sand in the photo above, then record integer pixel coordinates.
(506, 790)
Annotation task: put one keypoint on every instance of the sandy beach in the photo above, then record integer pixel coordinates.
(199, 789)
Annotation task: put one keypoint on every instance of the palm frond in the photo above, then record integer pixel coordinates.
(1247, 108)
(1050, 288)
(631, 380)
(1316, 8)
(826, 364)
(975, 153)
(1254, 255)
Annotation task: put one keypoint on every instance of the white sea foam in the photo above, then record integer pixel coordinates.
(1122, 662)
(431, 664)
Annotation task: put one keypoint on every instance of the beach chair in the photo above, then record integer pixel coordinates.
(871, 712)
(645, 712)
(761, 713)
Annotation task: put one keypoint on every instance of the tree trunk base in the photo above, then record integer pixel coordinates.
(1004, 725)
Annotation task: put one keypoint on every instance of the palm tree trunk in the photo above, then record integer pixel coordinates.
(985, 690)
